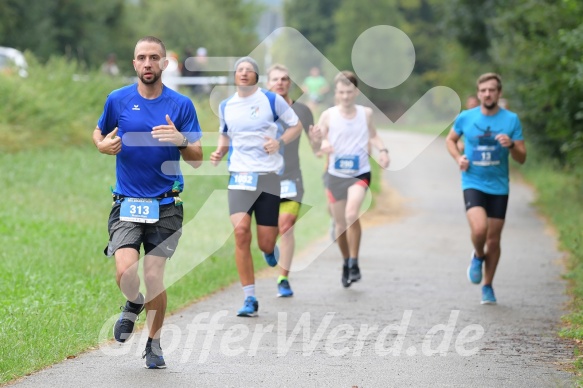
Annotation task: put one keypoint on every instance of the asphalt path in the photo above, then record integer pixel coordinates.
(414, 320)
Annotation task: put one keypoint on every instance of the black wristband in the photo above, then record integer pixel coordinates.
(184, 143)
(511, 146)
(281, 143)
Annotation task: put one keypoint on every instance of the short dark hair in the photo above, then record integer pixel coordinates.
(153, 39)
(487, 77)
(346, 77)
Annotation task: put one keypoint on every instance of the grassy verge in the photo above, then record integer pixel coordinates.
(559, 198)
(559, 193)
(58, 289)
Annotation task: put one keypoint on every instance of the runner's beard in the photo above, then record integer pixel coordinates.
(492, 106)
(155, 77)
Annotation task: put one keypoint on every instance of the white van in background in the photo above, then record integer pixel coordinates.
(12, 61)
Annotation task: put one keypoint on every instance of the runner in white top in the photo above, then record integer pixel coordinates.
(349, 156)
(347, 129)
(248, 121)
(250, 136)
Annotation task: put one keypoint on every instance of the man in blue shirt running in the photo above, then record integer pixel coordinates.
(491, 134)
(148, 127)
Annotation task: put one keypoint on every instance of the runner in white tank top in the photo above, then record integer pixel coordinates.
(350, 139)
(346, 130)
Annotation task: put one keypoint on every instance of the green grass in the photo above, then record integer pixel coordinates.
(52, 107)
(58, 289)
(559, 193)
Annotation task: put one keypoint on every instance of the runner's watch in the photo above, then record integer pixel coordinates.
(184, 143)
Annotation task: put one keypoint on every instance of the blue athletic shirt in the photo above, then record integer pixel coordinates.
(139, 164)
(488, 170)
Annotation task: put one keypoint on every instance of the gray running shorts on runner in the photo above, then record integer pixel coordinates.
(159, 239)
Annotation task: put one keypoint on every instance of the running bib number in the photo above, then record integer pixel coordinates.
(243, 181)
(288, 189)
(144, 210)
(347, 164)
(485, 155)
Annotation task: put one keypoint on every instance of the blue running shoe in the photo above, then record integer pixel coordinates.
(488, 295)
(475, 269)
(250, 308)
(154, 357)
(272, 258)
(283, 289)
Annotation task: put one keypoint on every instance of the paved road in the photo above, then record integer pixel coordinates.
(414, 320)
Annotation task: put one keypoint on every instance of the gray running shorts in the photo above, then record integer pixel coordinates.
(159, 239)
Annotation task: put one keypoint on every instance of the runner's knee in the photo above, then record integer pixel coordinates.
(242, 235)
(351, 216)
(285, 226)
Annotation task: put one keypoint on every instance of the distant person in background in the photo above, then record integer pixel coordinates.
(195, 66)
(200, 64)
(171, 75)
(110, 67)
(471, 102)
(316, 86)
(503, 103)
(187, 70)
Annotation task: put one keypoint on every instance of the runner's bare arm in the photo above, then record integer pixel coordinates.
(192, 154)
(222, 149)
(518, 152)
(451, 142)
(109, 144)
(517, 148)
(315, 138)
(376, 141)
(322, 127)
(292, 133)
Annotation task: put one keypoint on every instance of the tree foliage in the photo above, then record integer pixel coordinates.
(313, 19)
(536, 46)
(342, 24)
(224, 27)
(83, 30)
(89, 30)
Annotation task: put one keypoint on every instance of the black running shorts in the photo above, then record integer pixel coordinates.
(495, 205)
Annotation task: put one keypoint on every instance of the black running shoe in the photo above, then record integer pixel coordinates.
(345, 280)
(124, 326)
(353, 270)
(154, 357)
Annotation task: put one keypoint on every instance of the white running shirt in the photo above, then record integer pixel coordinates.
(349, 139)
(247, 121)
